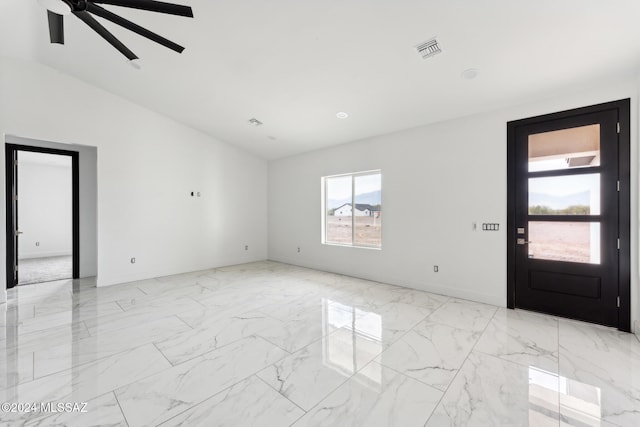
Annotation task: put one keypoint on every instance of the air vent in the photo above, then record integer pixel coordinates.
(255, 122)
(429, 48)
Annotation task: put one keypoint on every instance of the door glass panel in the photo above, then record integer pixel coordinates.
(565, 241)
(564, 149)
(368, 213)
(565, 195)
(339, 212)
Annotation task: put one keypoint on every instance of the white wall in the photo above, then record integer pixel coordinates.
(45, 209)
(147, 166)
(436, 181)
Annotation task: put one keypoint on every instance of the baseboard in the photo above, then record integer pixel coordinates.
(435, 288)
(134, 277)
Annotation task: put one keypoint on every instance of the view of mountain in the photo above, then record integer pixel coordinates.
(372, 198)
(535, 199)
(560, 202)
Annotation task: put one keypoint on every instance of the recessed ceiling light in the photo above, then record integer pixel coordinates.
(342, 115)
(470, 74)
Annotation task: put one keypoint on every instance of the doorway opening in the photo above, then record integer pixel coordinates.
(42, 194)
(569, 214)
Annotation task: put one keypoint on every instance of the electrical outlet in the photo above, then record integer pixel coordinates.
(37, 243)
(298, 249)
(435, 268)
(198, 193)
(133, 260)
(246, 247)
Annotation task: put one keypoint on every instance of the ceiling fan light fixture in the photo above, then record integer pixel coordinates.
(56, 6)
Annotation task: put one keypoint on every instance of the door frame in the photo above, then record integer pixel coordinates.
(624, 200)
(10, 151)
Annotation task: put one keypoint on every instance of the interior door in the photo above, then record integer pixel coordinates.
(565, 237)
(11, 207)
(12, 223)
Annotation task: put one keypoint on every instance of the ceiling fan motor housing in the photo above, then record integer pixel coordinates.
(77, 5)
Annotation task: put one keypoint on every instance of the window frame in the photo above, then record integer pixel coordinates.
(324, 205)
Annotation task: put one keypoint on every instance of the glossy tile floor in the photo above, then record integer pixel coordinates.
(38, 270)
(268, 344)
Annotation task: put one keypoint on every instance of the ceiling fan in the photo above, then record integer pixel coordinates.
(84, 9)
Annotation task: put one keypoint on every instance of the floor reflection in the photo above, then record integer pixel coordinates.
(11, 360)
(579, 404)
(24, 337)
(358, 336)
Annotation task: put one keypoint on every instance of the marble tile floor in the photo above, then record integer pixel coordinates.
(47, 269)
(270, 344)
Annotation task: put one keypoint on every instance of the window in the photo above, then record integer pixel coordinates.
(352, 209)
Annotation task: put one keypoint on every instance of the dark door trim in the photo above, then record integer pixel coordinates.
(623, 108)
(10, 152)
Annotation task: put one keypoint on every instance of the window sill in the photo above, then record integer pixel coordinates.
(353, 246)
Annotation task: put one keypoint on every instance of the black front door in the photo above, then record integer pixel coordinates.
(568, 219)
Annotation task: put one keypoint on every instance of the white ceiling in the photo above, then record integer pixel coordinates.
(294, 64)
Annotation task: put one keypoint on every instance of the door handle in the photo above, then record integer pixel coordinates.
(19, 232)
(523, 242)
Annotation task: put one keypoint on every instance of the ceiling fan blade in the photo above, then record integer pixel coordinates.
(56, 27)
(105, 34)
(151, 5)
(110, 16)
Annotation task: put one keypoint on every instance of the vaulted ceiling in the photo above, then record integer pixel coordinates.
(294, 64)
